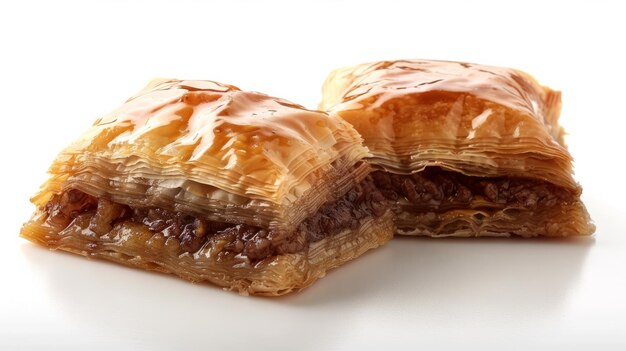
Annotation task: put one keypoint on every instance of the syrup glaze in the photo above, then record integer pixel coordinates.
(521, 106)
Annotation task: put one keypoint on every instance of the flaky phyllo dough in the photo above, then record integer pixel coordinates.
(462, 149)
(203, 180)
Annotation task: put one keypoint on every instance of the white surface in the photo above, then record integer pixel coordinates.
(64, 64)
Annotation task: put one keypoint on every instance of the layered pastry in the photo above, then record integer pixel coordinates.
(200, 179)
(462, 149)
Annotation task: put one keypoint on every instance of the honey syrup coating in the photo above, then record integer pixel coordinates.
(353, 87)
(253, 139)
(481, 120)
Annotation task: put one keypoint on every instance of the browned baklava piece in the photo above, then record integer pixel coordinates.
(462, 149)
(203, 180)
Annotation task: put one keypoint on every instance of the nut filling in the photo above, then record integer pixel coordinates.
(437, 189)
(362, 201)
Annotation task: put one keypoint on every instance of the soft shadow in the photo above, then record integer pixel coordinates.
(535, 273)
(146, 310)
(438, 279)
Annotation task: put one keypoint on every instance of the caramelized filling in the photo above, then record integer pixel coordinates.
(362, 201)
(437, 189)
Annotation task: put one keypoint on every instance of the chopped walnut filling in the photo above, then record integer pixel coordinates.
(434, 189)
(362, 201)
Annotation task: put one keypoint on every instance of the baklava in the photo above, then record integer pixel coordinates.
(200, 179)
(462, 149)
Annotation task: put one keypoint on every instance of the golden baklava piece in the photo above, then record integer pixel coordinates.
(200, 179)
(462, 149)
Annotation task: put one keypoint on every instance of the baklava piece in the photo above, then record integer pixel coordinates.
(200, 179)
(462, 149)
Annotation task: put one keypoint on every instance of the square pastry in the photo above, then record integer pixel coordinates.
(462, 149)
(200, 179)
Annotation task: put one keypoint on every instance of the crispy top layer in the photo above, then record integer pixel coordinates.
(245, 143)
(471, 118)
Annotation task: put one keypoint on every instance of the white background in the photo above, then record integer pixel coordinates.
(63, 64)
